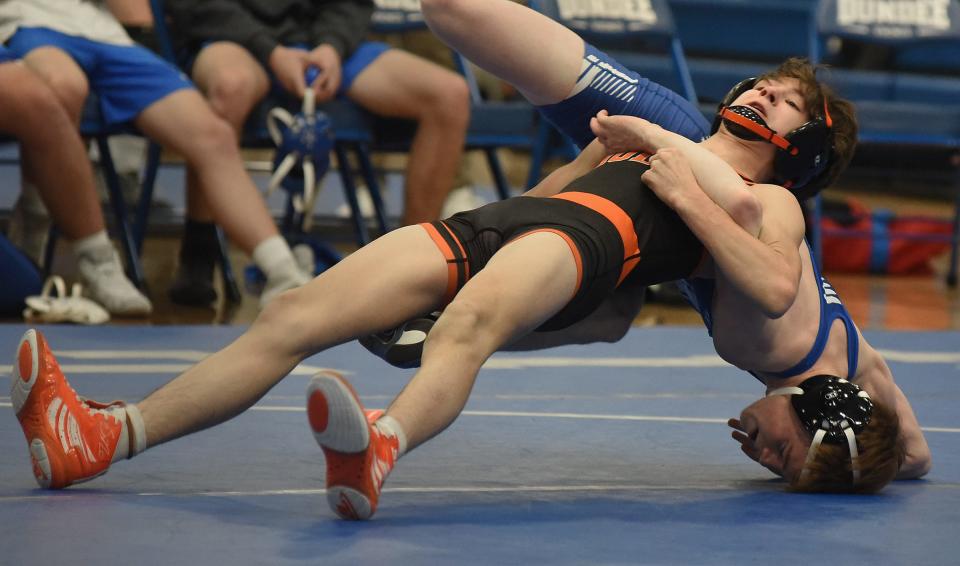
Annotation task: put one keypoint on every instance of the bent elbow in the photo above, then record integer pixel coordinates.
(747, 212)
(915, 466)
(780, 297)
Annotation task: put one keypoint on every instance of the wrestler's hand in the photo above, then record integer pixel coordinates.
(289, 65)
(746, 443)
(670, 177)
(326, 59)
(620, 134)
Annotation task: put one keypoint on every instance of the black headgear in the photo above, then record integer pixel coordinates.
(805, 155)
(834, 411)
(828, 403)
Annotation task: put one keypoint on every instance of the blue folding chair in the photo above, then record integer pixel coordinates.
(643, 40)
(908, 104)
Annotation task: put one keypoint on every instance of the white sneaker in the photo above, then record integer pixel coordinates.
(459, 200)
(104, 282)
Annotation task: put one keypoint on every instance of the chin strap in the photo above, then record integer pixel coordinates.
(759, 129)
(851, 443)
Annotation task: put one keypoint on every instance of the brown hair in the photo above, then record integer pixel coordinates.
(881, 453)
(843, 133)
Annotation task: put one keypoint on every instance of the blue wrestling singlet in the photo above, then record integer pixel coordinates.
(605, 84)
(699, 293)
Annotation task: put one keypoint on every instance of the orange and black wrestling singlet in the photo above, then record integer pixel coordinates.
(615, 225)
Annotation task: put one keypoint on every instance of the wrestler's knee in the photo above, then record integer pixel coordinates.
(285, 320)
(468, 323)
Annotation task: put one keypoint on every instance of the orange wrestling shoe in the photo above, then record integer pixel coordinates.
(359, 457)
(71, 440)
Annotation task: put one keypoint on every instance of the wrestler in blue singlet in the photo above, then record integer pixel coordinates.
(699, 293)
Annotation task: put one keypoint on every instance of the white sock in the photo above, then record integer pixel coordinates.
(276, 261)
(96, 244)
(388, 426)
(132, 423)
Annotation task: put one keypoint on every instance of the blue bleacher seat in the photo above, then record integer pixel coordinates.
(727, 41)
(911, 102)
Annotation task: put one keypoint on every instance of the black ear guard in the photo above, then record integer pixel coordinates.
(805, 154)
(832, 404)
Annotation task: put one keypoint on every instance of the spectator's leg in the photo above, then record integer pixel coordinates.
(32, 112)
(400, 85)
(184, 122)
(233, 83)
(62, 74)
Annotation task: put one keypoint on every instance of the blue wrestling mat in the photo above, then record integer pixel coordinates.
(605, 454)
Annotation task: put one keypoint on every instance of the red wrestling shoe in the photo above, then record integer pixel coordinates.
(358, 455)
(70, 440)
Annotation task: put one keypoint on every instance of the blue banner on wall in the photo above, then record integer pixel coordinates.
(891, 20)
(609, 16)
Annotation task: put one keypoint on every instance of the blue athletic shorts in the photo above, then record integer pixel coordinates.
(350, 69)
(6, 55)
(605, 84)
(361, 58)
(126, 78)
(365, 54)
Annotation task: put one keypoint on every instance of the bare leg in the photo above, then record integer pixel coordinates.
(52, 152)
(63, 76)
(233, 83)
(493, 308)
(384, 283)
(185, 123)
(402, 85)
(527, 49)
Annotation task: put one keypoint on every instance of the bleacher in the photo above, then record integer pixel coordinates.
(909, 100)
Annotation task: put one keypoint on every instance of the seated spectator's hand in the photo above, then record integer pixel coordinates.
(621, 134)
(289, 65)
(670, 177)
(326, 59)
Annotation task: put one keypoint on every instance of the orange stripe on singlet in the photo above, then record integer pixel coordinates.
(621, 221)
(463, 253)
(573, 249)
(637, 156)
(448, 255)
